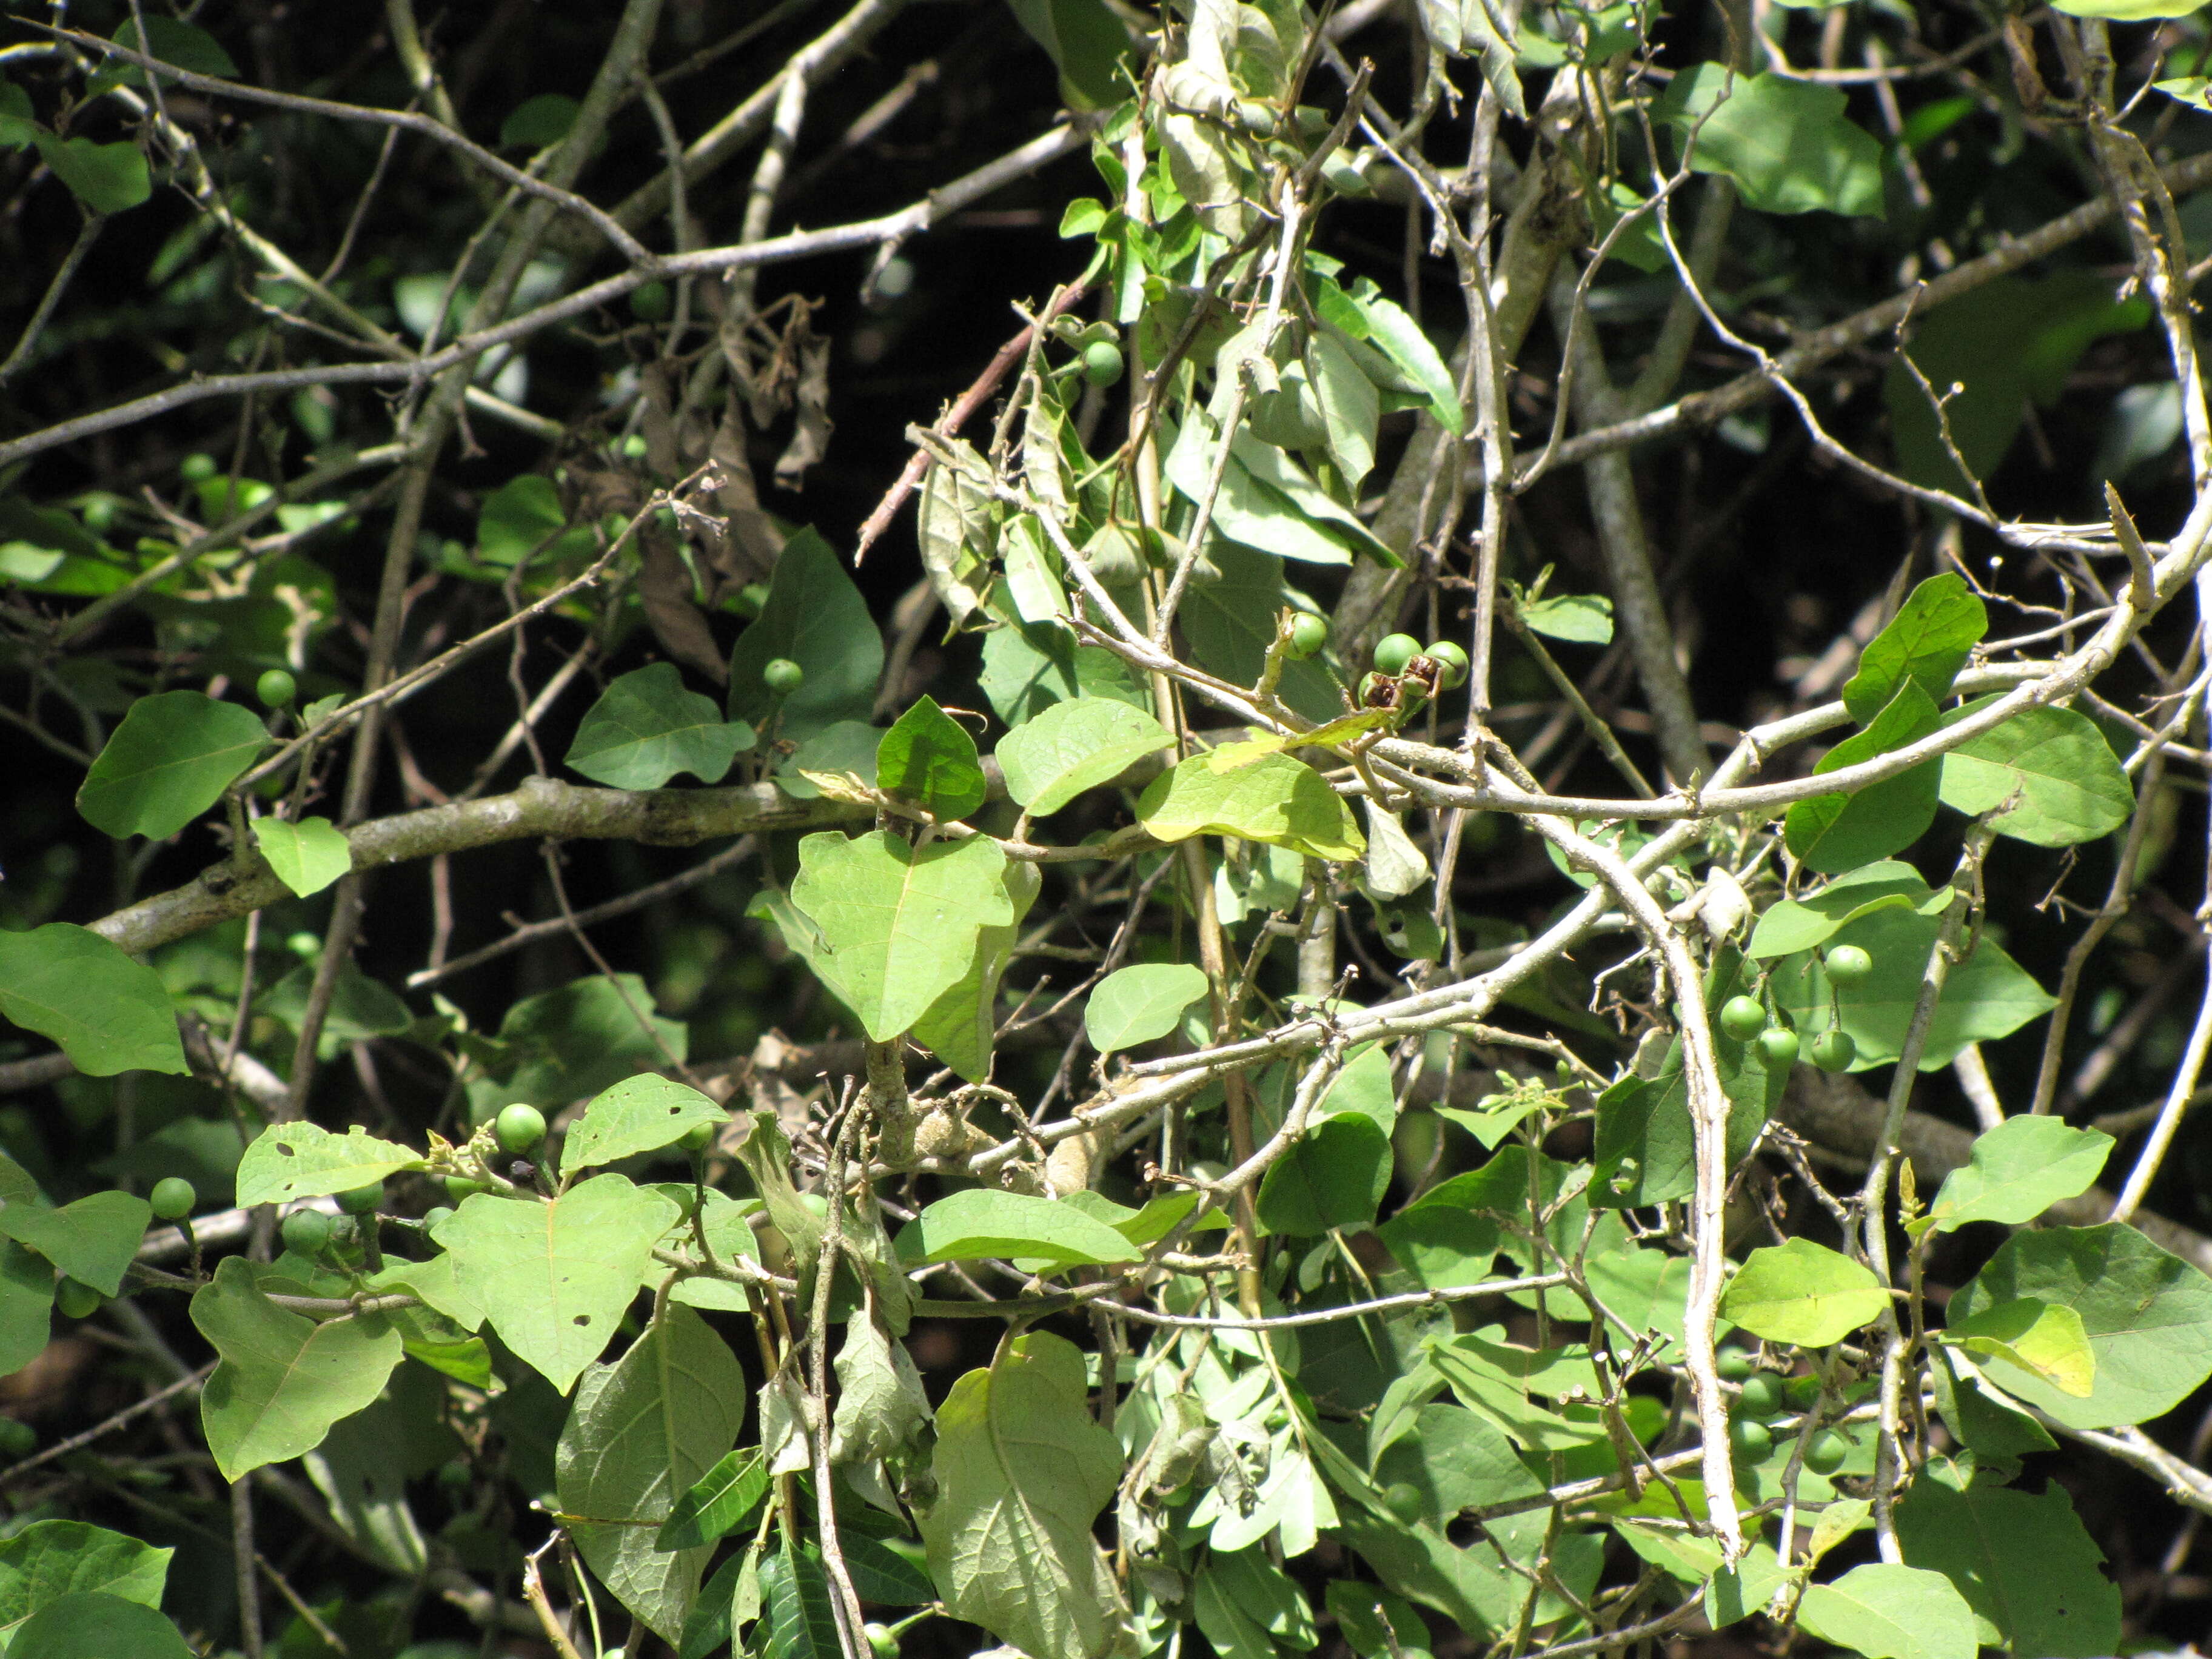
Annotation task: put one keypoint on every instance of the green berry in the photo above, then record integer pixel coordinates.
(1833, 1050)
(307, 1232)
(276, 688)
(1102, 363)
(1742, 1018)
(699, 1137)
(1779, 1044)
(519, 1129)
(77, 1300)
(362, 1200)
(651, 303)
(881, 1641)
(1761, 1395)
(18, 1440)
(172, 1198)
(196, 469)
(1847, 964)
(1405, 1501)
(436, 1213)
(1753, 1440)
(1451, 663)
(1394, 651)
(1733, 1364)
(1308, 632)
(460, 1187)
(782, 676)
(1826, 1451)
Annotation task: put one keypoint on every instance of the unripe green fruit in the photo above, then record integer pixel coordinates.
(172, 1198)
(307, 1232)
(99, 513)
(651, 303)
(782, 676)
(362, 1200)
(1102, 363)
(1450, 660)
(18, 1440)
(1847, 964)
(77, 1300)
(1753, 1440)
(1394, 651)
(519, 1129)
(460, 1187)
(276, 688)
(1761, 1395)
(196, 469)
(1833, 1050)
(1405, 1501)
(1779, 1044)
(1308, 632)
(1742, 1018)
(436, 1213)
(1826, 1451)
(1733, 1364)
(881, 1641)
(699, 1137)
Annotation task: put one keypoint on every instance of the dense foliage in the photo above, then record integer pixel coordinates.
(1416, 921)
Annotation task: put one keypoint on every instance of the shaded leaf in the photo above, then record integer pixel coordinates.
(94, 1240)
(646, 728)
(1830, 833)
(1785, 142)
(928, 758)
(109, 1013)
(815, 616)
(96, 1626)
(2024, 1563)
(1927, 642)
(167, 762)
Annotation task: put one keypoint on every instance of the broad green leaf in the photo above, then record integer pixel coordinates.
(882, 1406)
(168, 39)
(1028, 669)
(49, 1559)
(644, 1431)
(167, 762)
(365, 1460)
(1054, 756)
(2040, 1338)
(1579, 618)
(729, 1232)
(1503, 1392)
(1829, 833)
(1388, 326)
(1244, 1604)
(1803, 1293)
(888, 1576)
(646, 728)
(109, 1013)
(2025, 1563)
(2148, 1315)
(105, 177)
(1378, 1625)
(846, 747)
(1021, 1472)
(570, 1043)
(27, 1302)
(1333, 1175)
(708, 1631)
(981, 1222)
(1087, 39)
(1471, 1586)
(540, 121)
(815, 616)
(1349, 406)
(928, 758)
(283, 1379)
(291, 1161)
(1134, 1005)
(796, 1619)
(1997, 1431)
(1275, 799)
(18, 127)
(1245, 509)
(1891, 1612)
(2128, 11)
(961, 1025)
(96, 1626)
(899, 924)
(1788, 926)
(1230, 623)
(1785, 142)
(721, 1501)
(523, 518)
(1280, 478)
(638, 1115)
(1927, 642)
(2018, 1170)
(307, 855)
(94, 1240)
(2070, 786)
(1456, 1459)
(554, 1278)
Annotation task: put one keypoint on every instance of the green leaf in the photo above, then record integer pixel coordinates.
(574, 1040)
(1891, 1612)
(170, 40)
(1349, 406)
(1803, 1293)
(980, 1223)
(1245, 1604)
(815, 616)
(1927, 642)
(641, 1113)
(646, 728)
(1784, 142)
(1333, 1176)
(899, 924)
(94, 1240)
(1378, 1625)
(17, 125)
(283, 1380)
(105, 177)
(884, 1574)
(882, 1406)
(291, 1161)
(2127, 11)
(928, 758)
(1456, 1459)
(27, 1302)
(2038, 1337)
(1274, 799)
(167, 762)
(307, 855)
(537, 122)
(109, 1013)
(93, 1626)
(1230, 623)
(1087, 41)
(1788, 926)
(1138, 1005)
(2070, 785)
(1831, 833)
(2019, 1170)
(1579, 618)
(555, 1278)
(1022, 1472)
(961, 1025)
(644, 1431)
(1386, 324)
(49, 1559)
(523, 518)
(796, 1619)
(720, 1502)
(1054, 756)
(2025, 1563)
(2148, 1315)
(1997, 1431)
(708, 1631)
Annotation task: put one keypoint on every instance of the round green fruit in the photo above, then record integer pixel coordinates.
(307, 1232)
(77, 1300)
(1308, 632)
(1753, 1440)
(699, 1137)
(172, 1198)
(196, 469)
(1761, 1395)
(460, 1187)
(1405, 1501)
(436, 1213)
(1733, 1364)
(1779, 1044)
(1847, 964)
(652, 303)
(881, 1641)
(362, 1200)
(1826, 1451)
(782, 676)
(1450, 660)
(276, 688)
(1102, 363)
(519, 1129)
(18, 1440)
(1833, 1050)
(1742, 1018)
(1394, 651)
